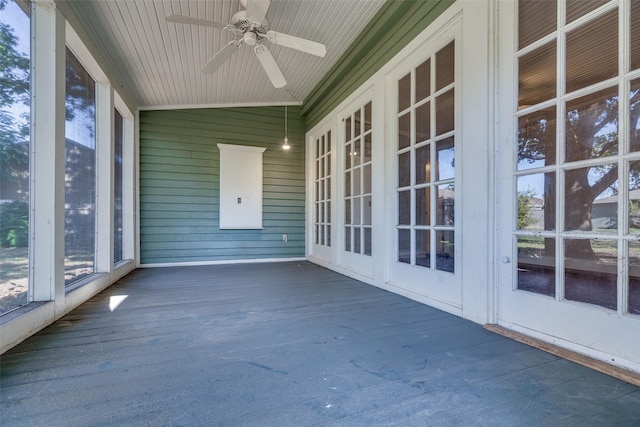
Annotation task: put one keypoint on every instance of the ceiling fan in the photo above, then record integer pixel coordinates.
(250, 27)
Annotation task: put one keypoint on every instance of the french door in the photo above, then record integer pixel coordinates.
(356, 136)
(321, 231)
(570, 161)
(424, 128)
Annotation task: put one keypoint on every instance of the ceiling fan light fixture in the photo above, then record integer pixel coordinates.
(249, 39)
(285, 145)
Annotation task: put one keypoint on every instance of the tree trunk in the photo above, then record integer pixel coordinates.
(578, 204)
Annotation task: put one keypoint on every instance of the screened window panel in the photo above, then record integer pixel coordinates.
(118, 187)
(15, 158)
(80, 172)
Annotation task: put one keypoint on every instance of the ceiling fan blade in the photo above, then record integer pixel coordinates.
(195, 21)
(257, 9)
(293, 42)
(220, 58)
(270, 66)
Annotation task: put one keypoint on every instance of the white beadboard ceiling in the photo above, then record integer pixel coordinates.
(156, 64)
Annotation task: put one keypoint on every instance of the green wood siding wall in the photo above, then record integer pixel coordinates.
(394, 26)
(179, 184)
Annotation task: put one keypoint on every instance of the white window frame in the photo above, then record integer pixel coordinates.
(50, 36)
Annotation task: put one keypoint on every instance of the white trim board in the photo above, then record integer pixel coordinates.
(222, 262)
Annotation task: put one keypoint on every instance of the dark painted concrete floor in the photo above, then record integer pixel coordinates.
(289, 344)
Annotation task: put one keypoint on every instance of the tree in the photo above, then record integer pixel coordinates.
(591, 132)
(525, 208)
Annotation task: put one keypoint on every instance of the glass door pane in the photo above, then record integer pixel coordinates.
(322, 198)
(357, 180)
(426, 163)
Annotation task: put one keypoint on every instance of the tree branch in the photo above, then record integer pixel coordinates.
(605, 182)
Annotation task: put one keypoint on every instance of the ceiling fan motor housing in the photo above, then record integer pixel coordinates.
(241, 23)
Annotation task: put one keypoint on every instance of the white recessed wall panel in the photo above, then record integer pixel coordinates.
(240, 186)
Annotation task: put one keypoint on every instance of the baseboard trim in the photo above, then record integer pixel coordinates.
(595, 364)
(219, 262)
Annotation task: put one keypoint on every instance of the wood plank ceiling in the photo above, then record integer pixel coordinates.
(156, 64)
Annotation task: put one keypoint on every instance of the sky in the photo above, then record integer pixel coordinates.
(15, 18)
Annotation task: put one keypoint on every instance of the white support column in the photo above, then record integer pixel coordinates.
(48, 153)
(104, 177)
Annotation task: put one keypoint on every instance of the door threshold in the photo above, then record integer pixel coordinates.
(581, 359)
